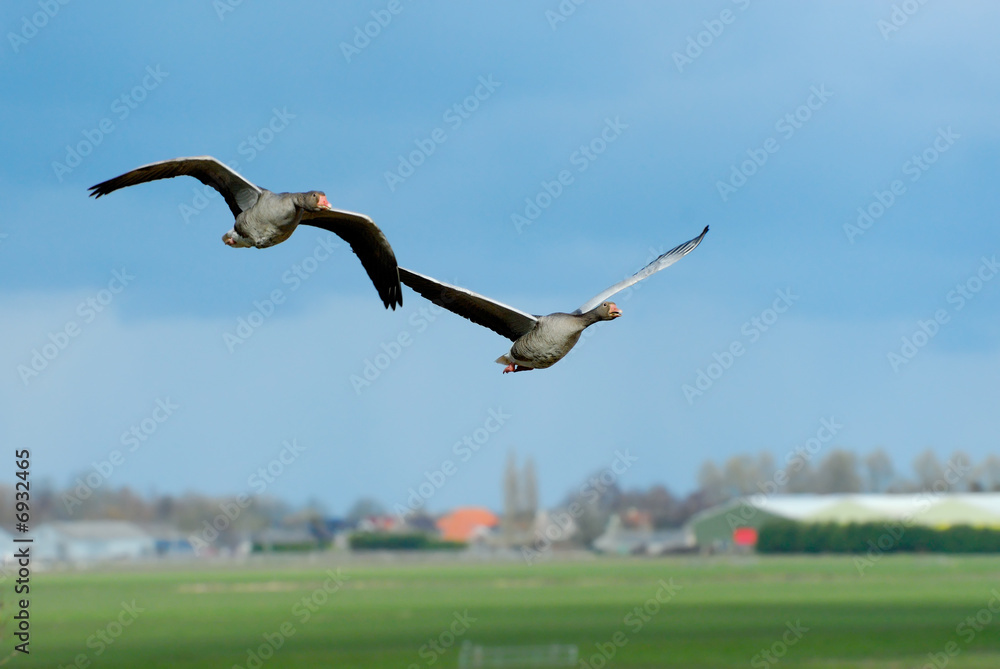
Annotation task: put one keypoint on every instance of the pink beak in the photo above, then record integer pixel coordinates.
(615, 311)
(323, 202)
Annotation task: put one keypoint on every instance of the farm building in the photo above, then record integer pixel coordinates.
(92, 540)
(168, 541)
(735, 522)
(467, 524)
(620, 540)
(285, 539)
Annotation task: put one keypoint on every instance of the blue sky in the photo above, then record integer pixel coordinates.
(808, 111)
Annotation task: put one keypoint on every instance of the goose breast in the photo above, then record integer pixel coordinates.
(551, 339)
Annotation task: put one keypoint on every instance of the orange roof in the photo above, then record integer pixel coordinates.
(460, 524)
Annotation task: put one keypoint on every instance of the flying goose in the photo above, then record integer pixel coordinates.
(539, 341)
(264, 218)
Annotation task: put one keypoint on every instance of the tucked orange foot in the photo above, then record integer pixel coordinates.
(516, 368)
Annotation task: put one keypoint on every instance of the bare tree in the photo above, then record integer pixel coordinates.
(987, 474)
(878, 471)
(801, 478)
(838, 472)
(662, 507)
(366, 507)
(711, 483)
(765, 469)
(961, 465)
(928, 470)
(741, 475)
(591, 507)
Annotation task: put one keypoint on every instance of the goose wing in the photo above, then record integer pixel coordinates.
(504, 320)
(661, 262)
(239, 193)
(368, 243)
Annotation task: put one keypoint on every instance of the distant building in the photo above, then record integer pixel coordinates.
(384, 523)
(555, 529)
(718, 528)
(92, 541)
(467, 524)
(285, 539)
(333, 532)
(168, 541)
(618, 539)
(421, 522)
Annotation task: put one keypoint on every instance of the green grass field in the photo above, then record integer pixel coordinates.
(722, 612)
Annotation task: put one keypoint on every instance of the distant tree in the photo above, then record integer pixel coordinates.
(961, 466)
(741, 475)
(365, 507)
(801, 477)
(878, 471)
(928, 470)
(662, 507)
(987, 473)
(711, 483)
(690, 505)
(44, 498)
(165, 508)
(765, 470)
(316, 508)
(591, 506)
(312, 514)
(838, 472)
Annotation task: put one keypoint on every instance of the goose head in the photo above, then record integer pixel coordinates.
(314, 201)
(608, 311)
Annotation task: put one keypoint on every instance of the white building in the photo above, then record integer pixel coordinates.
(715, 527)
(91, 541)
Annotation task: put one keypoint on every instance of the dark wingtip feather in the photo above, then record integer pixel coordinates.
(392, 296)
(395, 297)
(103, 188)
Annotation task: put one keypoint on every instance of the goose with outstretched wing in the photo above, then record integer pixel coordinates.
(539, 341)
(264, 218)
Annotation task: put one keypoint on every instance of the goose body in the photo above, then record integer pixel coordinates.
(264, 219)
(552, 338)
(539, 341)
